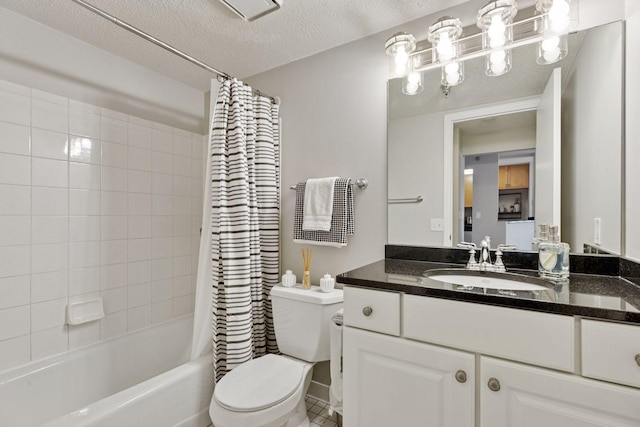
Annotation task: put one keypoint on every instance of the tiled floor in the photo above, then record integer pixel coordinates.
(318, 412)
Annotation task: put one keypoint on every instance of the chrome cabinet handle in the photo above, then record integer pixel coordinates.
(494, 384)
(461, 376)
(367, 311)
(638, 359)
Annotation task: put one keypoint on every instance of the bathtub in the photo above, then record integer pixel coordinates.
(140, 379)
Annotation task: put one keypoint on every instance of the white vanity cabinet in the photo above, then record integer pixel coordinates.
(521, 368)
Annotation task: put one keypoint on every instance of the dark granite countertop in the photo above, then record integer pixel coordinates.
(595, 296)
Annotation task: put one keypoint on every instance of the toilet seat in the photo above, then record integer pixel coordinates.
(259, 383)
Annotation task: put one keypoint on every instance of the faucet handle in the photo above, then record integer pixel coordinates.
(466, 245)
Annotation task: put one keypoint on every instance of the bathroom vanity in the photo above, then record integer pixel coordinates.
(423, 352)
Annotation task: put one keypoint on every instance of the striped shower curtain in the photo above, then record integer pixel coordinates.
(245, 182)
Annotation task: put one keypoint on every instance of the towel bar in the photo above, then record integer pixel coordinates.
(418, 199)
(362, 183)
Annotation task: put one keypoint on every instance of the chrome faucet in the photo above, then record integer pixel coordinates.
(485, 254)
(484, 262)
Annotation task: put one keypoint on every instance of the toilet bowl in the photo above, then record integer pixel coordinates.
(264, 392)
(270, 391)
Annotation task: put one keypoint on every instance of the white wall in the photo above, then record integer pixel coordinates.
(334, 123)
(592, 135)
(37, 56)
(500, 141)
(485, 199)
(632, 137)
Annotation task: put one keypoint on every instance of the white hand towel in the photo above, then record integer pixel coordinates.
(318, 204)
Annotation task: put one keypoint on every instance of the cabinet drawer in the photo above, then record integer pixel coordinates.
(609, 352)
(384, 313)
(536, 338)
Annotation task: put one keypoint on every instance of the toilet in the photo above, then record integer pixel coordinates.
(269, 391)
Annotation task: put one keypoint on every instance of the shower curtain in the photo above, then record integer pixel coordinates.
(239, 252)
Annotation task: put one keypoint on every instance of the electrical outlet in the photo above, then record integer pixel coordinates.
(478, 215)
(597, 223)
(437, 224)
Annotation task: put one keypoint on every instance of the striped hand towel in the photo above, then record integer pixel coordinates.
(342, 219)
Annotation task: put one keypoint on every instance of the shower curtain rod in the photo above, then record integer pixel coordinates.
(165, 46)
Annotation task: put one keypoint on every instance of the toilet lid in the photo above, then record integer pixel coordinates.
(259, 383)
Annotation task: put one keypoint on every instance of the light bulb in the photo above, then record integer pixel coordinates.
(550, 43)
(413, 78)
(412, 88)
(445, 48)
(497, 57)
(551, 55)
(498, 68)
(559, 16)
(401, 59)
(452, 68)
(497, 27)
(453, 78)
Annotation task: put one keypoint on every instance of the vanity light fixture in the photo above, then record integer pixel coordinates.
(500, 34)
(496, 22)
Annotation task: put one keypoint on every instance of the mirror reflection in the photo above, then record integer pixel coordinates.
(541, 144)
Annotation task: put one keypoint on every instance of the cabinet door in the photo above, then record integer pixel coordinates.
(503, 178)
(519, 176)
(536, 397)
(392, 381)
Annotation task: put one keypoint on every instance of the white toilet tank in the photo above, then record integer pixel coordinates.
(301, 319)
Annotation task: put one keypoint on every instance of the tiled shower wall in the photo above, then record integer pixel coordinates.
(93, 202)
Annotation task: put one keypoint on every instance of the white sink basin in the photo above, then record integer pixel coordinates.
(480, 280)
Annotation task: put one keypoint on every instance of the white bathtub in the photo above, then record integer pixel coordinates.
(139, 379)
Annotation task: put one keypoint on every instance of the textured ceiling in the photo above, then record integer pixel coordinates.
(209, 31)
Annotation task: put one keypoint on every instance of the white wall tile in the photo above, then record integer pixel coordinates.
(48, 314)
(197, 187)
(113, 276)
(181, 286)
(14, 291)
(84, 149)
(49, 286)
(138, 295)
(84, 228)
(113, 227)
(114, 154)
(162, 184)
(114, 299)
(182, 225)
(181, 246)
(49, 229)
(15, 261)
(181, 205)
(142, 122)
(83, 335)
(161, 311)
(161, 290)
(113, 325)
(139, 272)
(139, 136)
(49, 342)
(49, 115)
(84, 280)
(182, 166)
(14, 139)
(114, 179)
(161, 226)
(83, 106)
(49, 97)
(196, 205)
(49, 144)
(114, 130)
(14, 352)
(197, 168)
(162, 205)
(14, 169)
(139, 249)
(11, 87)
(16, 200)
(50, 173)
(140, 159)
(181, 265)
(181, 143)
(161, 269)
(84, 123)
(139, 227)
(106, 112)
(15, 230)
(84, 176)
(84, 202)
(15, 108)
(162, 140)
(183, 305)
(182, 186)
(162, 162)
(114, 252)
(161, 247)
(198, 147)
(84, 254)
(14, 322)
(49, 201)
(139, 317)
(114, 203)
(139, 182)
(162, 127)
(140, 204)
(46, 258)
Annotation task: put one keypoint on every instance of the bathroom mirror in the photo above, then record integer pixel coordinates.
(495, 120)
